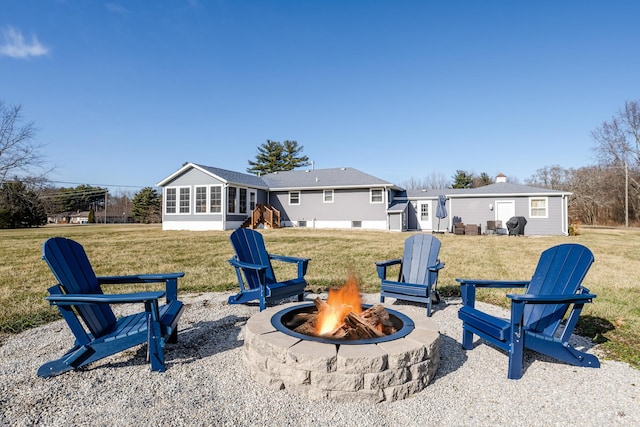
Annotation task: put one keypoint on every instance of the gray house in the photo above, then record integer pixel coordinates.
(200, 197)
(546, 211)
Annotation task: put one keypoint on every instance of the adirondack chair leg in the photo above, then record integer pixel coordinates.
(70, 361)
(155, 346)
(516, 347)
(300, 297)
(467, 339)
(263, 297)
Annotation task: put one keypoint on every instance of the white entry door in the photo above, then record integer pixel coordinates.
(424, 215)
(505, 209)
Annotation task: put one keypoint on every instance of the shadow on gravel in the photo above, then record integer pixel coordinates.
(452, 356)
(204, 339)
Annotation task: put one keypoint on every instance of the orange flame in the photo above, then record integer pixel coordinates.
(339, 303)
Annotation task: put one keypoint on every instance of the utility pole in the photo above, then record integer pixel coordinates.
(626, 195)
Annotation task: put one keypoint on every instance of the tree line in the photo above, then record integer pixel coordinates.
(606, 193)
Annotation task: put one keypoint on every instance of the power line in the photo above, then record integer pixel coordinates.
(102, 185)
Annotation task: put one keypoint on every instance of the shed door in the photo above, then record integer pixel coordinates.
(505, 209)
(424, 215)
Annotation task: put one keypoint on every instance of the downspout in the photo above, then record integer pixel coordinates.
(565, 215)
(225, 197)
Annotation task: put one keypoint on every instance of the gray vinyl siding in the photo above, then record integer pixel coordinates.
(475, 210)
(348, 205)
(193, 178)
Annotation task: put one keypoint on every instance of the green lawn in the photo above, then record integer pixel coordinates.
(613, 319)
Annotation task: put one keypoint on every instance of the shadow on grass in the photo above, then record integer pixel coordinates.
(594, 327)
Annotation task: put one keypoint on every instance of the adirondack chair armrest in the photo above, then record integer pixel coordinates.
(438, 266)
(139, 278)
(284, 258)
(494, 283)
(302, 262)
(76, 299)
(170, 280)
(381, 267)
(239, 264)
(552, 299)
(389, 262)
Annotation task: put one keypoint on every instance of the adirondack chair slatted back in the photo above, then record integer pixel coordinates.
(71, 267)
(420, 252)
(560, 271)
(250, 248)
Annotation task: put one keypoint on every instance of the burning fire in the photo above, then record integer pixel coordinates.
(339, 303)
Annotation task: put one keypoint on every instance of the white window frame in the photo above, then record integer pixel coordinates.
(253, 200)
(426, 218)
(327, 196)
(243, 202)
(235, 200)
(533, 211)
(175, 200)
(195, 199)
(209, 199)
(180, 206)
(291, 201)
(371, 193)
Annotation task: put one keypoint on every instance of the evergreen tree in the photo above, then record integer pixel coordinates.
(462, 179)
(274, 156)
(147, 206)
(20, 206)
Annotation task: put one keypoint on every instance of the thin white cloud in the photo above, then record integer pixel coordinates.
(116, 8)
(14, 45)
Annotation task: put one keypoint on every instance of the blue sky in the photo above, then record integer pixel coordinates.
(124, 92)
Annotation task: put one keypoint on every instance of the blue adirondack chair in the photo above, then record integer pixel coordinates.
(418, 274)
(255, 274)
(79, 296)
(537, 314)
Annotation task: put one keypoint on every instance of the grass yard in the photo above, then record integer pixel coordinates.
(613, 319)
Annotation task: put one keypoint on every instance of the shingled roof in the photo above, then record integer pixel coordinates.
(322, 178)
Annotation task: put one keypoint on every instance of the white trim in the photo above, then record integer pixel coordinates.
(546, 207)
(299, 198)
(371, 190)
(324, 196)
(193, 225)
(344, 224)
(178, 189)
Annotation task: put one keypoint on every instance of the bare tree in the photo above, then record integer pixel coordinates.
(552, 177)
(19, 153)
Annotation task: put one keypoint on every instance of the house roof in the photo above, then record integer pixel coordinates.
(224, 175)
(322, 178)
(497, 189)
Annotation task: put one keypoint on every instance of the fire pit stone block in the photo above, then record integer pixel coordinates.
(362, 359)
(403, 353)
(384, 371)
(312, 356)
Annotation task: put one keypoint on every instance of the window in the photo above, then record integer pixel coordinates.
(201, 200)
(538, 207)
(376, 195)
(170, 201)
(327, 196)
(252, 201)
(185, 200)
(243, 201)
(216, 199)
(424, 212)
(232, 193)
(294, 197)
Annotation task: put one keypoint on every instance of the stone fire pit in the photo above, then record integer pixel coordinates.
(383, 371)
